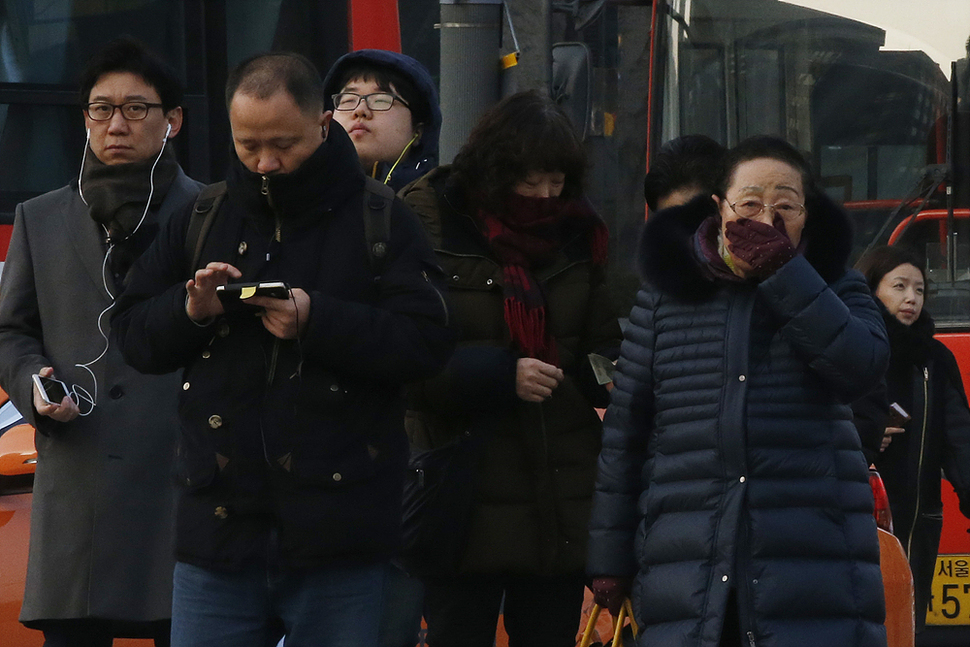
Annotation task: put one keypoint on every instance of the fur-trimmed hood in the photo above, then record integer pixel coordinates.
(667, 258)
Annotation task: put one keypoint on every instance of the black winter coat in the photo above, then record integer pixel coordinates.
(924, 379)
(730, 461)
(305, 436)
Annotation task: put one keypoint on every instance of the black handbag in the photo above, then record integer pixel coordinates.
(439, 498)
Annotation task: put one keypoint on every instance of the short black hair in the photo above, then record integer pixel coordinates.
(263, 75)
(770, 147)
(687, 161)
(127, 54)
(522, 133)
(385, 77)
(883, 259)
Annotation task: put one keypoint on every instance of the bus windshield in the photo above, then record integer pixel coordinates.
(864, 89)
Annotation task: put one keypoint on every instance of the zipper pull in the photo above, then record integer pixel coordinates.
(265, 188)
(926, 374)
(751, 638)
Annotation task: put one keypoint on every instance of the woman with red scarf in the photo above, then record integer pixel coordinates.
(525, 255)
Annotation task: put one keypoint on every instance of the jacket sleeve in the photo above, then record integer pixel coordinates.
(21, 335)
(956, 454)
(837, 329)
(869, 414)
(150, 324)
(627, 427)
(405, 335)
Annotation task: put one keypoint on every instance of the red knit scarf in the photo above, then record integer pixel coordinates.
(529, 234)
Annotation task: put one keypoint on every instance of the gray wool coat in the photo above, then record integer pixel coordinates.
(104, 498)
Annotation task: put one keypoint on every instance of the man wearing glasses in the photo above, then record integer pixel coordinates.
(388, 104)
(100, 562)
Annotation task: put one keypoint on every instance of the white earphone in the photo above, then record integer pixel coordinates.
(167, 132)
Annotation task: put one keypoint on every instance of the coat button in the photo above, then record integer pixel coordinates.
(334, 387)
(206, 354)
(215, 421)
(741, 378)
(242, 248)
(185, 386)
(223, 329)
(489, 282)
(741, 479)
(116, 392)
(454, 278)
(221, 512)
(724, 578)
(337, 477)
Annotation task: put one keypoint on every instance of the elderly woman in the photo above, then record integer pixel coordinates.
(525, 254)
(732, 491)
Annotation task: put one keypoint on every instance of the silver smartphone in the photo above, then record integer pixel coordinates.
(51, 390)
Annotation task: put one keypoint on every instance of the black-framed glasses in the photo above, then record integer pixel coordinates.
(378, 101)
(132, 110)
(749, 208)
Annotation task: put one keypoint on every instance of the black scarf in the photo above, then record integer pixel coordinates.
(116, 194)
(909, 345)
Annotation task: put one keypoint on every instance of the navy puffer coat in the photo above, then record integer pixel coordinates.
(730, 461)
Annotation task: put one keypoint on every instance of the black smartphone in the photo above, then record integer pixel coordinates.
(236, 292)
(51, 390)
(897, 416)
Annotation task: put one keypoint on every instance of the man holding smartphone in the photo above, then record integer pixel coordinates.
(100, 562)
(293, 448)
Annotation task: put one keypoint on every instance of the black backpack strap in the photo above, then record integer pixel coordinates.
(378, 200)
(203, 215)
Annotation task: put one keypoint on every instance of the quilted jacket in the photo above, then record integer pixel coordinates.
(730, 462)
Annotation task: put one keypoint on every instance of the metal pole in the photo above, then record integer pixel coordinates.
(471, 37)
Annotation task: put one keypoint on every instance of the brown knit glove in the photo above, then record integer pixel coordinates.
(609, 592)
(764, 247)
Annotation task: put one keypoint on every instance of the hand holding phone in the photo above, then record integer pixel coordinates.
(52, 391)
(52, 398)
(897, 416)
(232, 294)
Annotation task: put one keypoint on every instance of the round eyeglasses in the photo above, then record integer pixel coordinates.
(378, 101)
(132, 110)
(749, 208)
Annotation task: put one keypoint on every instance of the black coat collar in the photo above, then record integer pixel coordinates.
(668, 261)
(323, 182)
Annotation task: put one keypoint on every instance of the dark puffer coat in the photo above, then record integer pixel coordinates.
(539, 468)
(924, 379)
(730, 461)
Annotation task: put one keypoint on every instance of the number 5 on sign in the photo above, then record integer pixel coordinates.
(950, 601)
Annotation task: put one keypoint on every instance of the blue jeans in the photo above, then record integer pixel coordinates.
(403, 607)
(334, 607)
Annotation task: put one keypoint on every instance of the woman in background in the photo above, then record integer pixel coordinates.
(923, 379)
